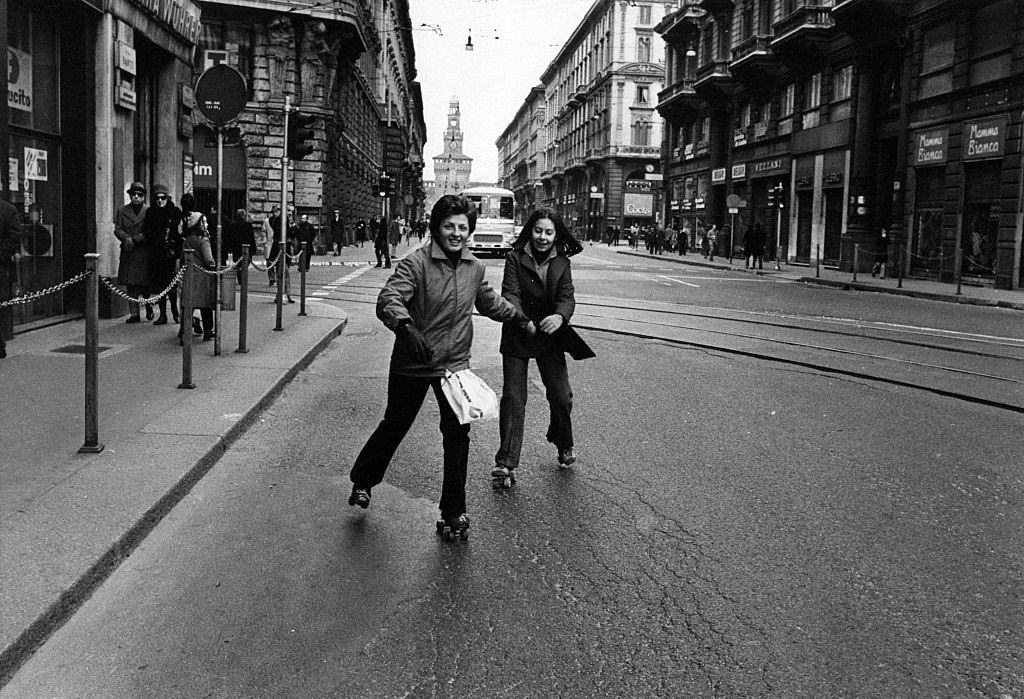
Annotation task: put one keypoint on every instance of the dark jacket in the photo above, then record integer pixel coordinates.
(439, 297)
(162, 226)
(10, 243)
(133, 266)
(202, 288)
(522, 286)
(237, 234)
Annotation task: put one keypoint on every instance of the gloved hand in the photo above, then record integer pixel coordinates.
(128, 244)
(418, 346)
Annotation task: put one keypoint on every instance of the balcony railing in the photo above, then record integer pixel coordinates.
(813, 15)
(712, 72)
(678, 92)
(753, 47)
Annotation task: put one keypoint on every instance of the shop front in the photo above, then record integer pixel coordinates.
(984, 144)
(637, 200)
(929, 183)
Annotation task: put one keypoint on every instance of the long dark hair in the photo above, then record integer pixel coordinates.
(452, 205)
(565, 243)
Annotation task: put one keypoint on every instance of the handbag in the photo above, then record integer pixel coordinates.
(470, 396)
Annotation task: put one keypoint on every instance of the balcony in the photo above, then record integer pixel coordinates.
(678, 99)
(681, 27)
(717, 7)
(871, 20)
(715, 76)
(753, 55)
(805, 29)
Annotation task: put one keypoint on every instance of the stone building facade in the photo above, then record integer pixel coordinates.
(601, 137)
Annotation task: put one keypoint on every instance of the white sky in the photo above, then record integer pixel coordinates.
(514, 42)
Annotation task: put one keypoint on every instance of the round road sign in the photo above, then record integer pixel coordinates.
(220, 94)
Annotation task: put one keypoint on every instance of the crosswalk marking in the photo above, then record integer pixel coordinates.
(679, 281)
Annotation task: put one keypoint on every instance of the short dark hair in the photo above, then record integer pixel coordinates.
(452, 205)
(188, 202)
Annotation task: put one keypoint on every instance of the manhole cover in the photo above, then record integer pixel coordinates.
(78, 349)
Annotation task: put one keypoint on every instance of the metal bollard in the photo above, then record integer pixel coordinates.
(899, 269)
(243, 299)
(281, 270)
(958, 268)
(302, 278)
(856, 260)
(186, 322)
(817, 261)
(92, 444)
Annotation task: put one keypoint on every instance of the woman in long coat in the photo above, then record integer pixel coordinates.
(196, 237)
(136, 252)
(538, 282)
(161, 226)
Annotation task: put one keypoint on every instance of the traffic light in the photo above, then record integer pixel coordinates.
(382, 185)
(300, 130)
(779, 192)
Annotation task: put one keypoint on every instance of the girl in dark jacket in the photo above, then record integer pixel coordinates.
(538, 282)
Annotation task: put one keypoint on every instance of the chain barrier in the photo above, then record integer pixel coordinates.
(922, 257)
(296, 257)
(270, 265)
(976, 265)
(32, 296)
(148, 301)
(214, 273)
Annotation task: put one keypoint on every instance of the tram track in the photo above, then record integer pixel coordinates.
(980, 369)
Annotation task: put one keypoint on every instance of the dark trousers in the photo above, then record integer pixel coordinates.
(405, 397)
(379, 251)
(512, 416)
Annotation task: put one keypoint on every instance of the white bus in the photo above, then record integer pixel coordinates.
(495, 222)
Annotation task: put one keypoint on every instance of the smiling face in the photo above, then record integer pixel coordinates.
(543, 235)
(453, 232)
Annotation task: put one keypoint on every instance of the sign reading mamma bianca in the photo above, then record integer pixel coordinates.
(985, 138)
(930, 147)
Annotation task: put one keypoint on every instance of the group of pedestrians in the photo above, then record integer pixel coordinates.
(154, 236)
(428, 303)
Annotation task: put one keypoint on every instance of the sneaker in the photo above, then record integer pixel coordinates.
(360, 497)
(566, 457)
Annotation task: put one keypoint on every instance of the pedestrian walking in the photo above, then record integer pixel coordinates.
(196, 237)
(305, 233)
(273, 228)
(162, 226)
(395, 234)
(712, 237)
(538, 282)
(758, 240)
(275, 249)
(134, 263)
(360, 231)
(238, 233)
(10, 251)
(337, 232)
(428, 303)
(380, 243)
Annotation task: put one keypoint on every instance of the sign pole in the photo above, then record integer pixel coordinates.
(282, 252)
(220, 253)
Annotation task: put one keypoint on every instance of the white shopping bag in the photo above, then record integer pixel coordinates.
(470, 397)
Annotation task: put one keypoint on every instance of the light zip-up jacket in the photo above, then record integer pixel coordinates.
(438, 298)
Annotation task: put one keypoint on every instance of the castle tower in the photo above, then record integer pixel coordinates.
(452, 167)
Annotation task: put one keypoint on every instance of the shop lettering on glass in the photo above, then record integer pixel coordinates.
(718, 174)
(766, 166)
(174, 15)
(930, 147)
(19, 80)
(638, 204)
(984, 139)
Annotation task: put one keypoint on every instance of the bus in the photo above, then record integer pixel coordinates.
(495, 222)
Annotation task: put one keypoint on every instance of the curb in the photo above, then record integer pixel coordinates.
(58, 613)
(678, 259)
(926, 295)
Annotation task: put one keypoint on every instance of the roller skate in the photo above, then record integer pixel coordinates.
(452, 528)
(566, 458)
(502, 477)
(360, 497)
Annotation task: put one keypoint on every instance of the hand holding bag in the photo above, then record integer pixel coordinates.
(470, 397)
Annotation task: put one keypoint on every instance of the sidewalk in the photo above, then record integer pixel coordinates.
(67, 518)
(917, 288)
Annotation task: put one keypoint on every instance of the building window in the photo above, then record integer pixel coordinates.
(937, 60)
(991, 41)
(787, 100)
(744, 120)
(641, 132)
(645, 14)
(842, 84)
(812, 92)
(642, 94)
(232, 41)
(747, 20)
(643, 49)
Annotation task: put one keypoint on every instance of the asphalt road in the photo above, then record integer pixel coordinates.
(733, 528)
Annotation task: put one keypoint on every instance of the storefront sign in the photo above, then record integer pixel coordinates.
(205, 168)
(175, 15)
(126, 58)
(698, 203)
(718, 174)
(739, 172)
(125, 96)
(930, 147)
(19, 80)
(12, 173)
(832, 179)
(985, 139)
(772, 166)
(35, 165)
(638, 204)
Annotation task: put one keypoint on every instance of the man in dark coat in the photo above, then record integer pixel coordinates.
(380, 243)
(10, 245)
(337, 232)
(162, 227)
(136, 252)
(305, 233)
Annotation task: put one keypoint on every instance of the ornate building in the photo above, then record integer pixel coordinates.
(351, 65)
(903, 115)
(596, 154)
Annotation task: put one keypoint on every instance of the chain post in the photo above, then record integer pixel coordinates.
(899, 268)
(92, 286)
(243, 300)
(186, 322)
(958, 262)
(302, 279)
(856, 259)
(817, 261)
